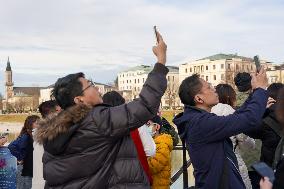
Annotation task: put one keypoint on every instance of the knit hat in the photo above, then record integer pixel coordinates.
(243, 81)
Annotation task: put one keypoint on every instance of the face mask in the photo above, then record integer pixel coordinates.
(150, 130)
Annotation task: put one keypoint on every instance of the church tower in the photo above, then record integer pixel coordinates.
(8, 81)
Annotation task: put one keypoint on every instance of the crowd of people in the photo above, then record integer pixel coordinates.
(85, 140)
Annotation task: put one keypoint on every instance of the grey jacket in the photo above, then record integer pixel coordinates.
(90, 147)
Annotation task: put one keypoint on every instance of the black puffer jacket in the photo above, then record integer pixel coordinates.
(90, 147)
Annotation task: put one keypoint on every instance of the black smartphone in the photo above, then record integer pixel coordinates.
(264, 170)
(156, 33)
(257, 63)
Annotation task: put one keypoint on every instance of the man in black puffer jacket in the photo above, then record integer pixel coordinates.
(88, 145)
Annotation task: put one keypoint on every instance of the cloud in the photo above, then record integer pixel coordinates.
(48, 39)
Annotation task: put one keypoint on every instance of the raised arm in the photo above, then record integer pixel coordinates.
(116, 121)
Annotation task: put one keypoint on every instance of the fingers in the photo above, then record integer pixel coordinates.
(160, 38)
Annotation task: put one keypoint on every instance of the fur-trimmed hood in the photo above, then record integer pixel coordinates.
(60, 123)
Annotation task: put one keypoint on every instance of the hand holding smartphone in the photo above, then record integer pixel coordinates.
(264, 170)
(160, 50)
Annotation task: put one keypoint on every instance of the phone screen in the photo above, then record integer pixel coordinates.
(156, 34)
(257, 63)
(264, 170)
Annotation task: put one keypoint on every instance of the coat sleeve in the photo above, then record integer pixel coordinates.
(118, 121)
(161, 159)
(214, 128)
(18, 147)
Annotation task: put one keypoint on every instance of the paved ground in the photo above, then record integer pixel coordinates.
(13, 127)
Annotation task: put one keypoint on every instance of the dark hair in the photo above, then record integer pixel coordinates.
(280, 107)
(188, 88)
(243, 81)
(28, 125)
(157, 119)
(47, 107)
(226, 93)
(274, 89)
(113, 98)
(66, 89)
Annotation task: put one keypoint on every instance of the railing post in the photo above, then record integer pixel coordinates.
(185, 174)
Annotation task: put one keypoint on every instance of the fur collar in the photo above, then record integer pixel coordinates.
(57, 124)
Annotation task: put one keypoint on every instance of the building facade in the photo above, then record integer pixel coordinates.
(275, 74)
(219, 68)
(45, 93)
(131, 81)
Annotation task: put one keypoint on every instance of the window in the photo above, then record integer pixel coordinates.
(214, 67)
(229, 66)
(202, 68)
(222, 66)
(243, 67)
(214, 77)
(173, 78)
(206, 68)
(223, 77)
(237, 67)
(185, 70)
(137, 80)
(126, 81)
(206, 78)
(134, 80)
(168, 77)
(190, 69)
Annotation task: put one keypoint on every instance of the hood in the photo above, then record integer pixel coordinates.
(180, 121)
(164, 139)
(222, 109)
(62, 124)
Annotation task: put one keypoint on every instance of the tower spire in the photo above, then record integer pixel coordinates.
(8, 68)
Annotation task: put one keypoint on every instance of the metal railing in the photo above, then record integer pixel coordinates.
(182, 169)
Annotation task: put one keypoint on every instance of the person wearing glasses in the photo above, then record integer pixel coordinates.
(207, 135)
(88, 144)
(160, 164)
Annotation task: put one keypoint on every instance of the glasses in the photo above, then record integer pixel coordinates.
(92, 84)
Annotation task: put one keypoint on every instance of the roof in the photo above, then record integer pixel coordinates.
(96, 83)
(173, 68)
(27, 90)
(141, 67)
(147, 69)
(226, 56)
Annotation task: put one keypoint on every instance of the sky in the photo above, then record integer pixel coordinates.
(46, 40)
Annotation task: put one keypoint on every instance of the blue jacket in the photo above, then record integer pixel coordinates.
(205, 134)
(18, 147)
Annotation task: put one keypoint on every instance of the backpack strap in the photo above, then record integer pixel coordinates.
(274, 125)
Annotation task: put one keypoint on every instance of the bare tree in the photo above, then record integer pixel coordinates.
(171, 95)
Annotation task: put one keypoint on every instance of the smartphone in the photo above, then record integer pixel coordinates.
(257, 63)
(156, 33)
(264, 170)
